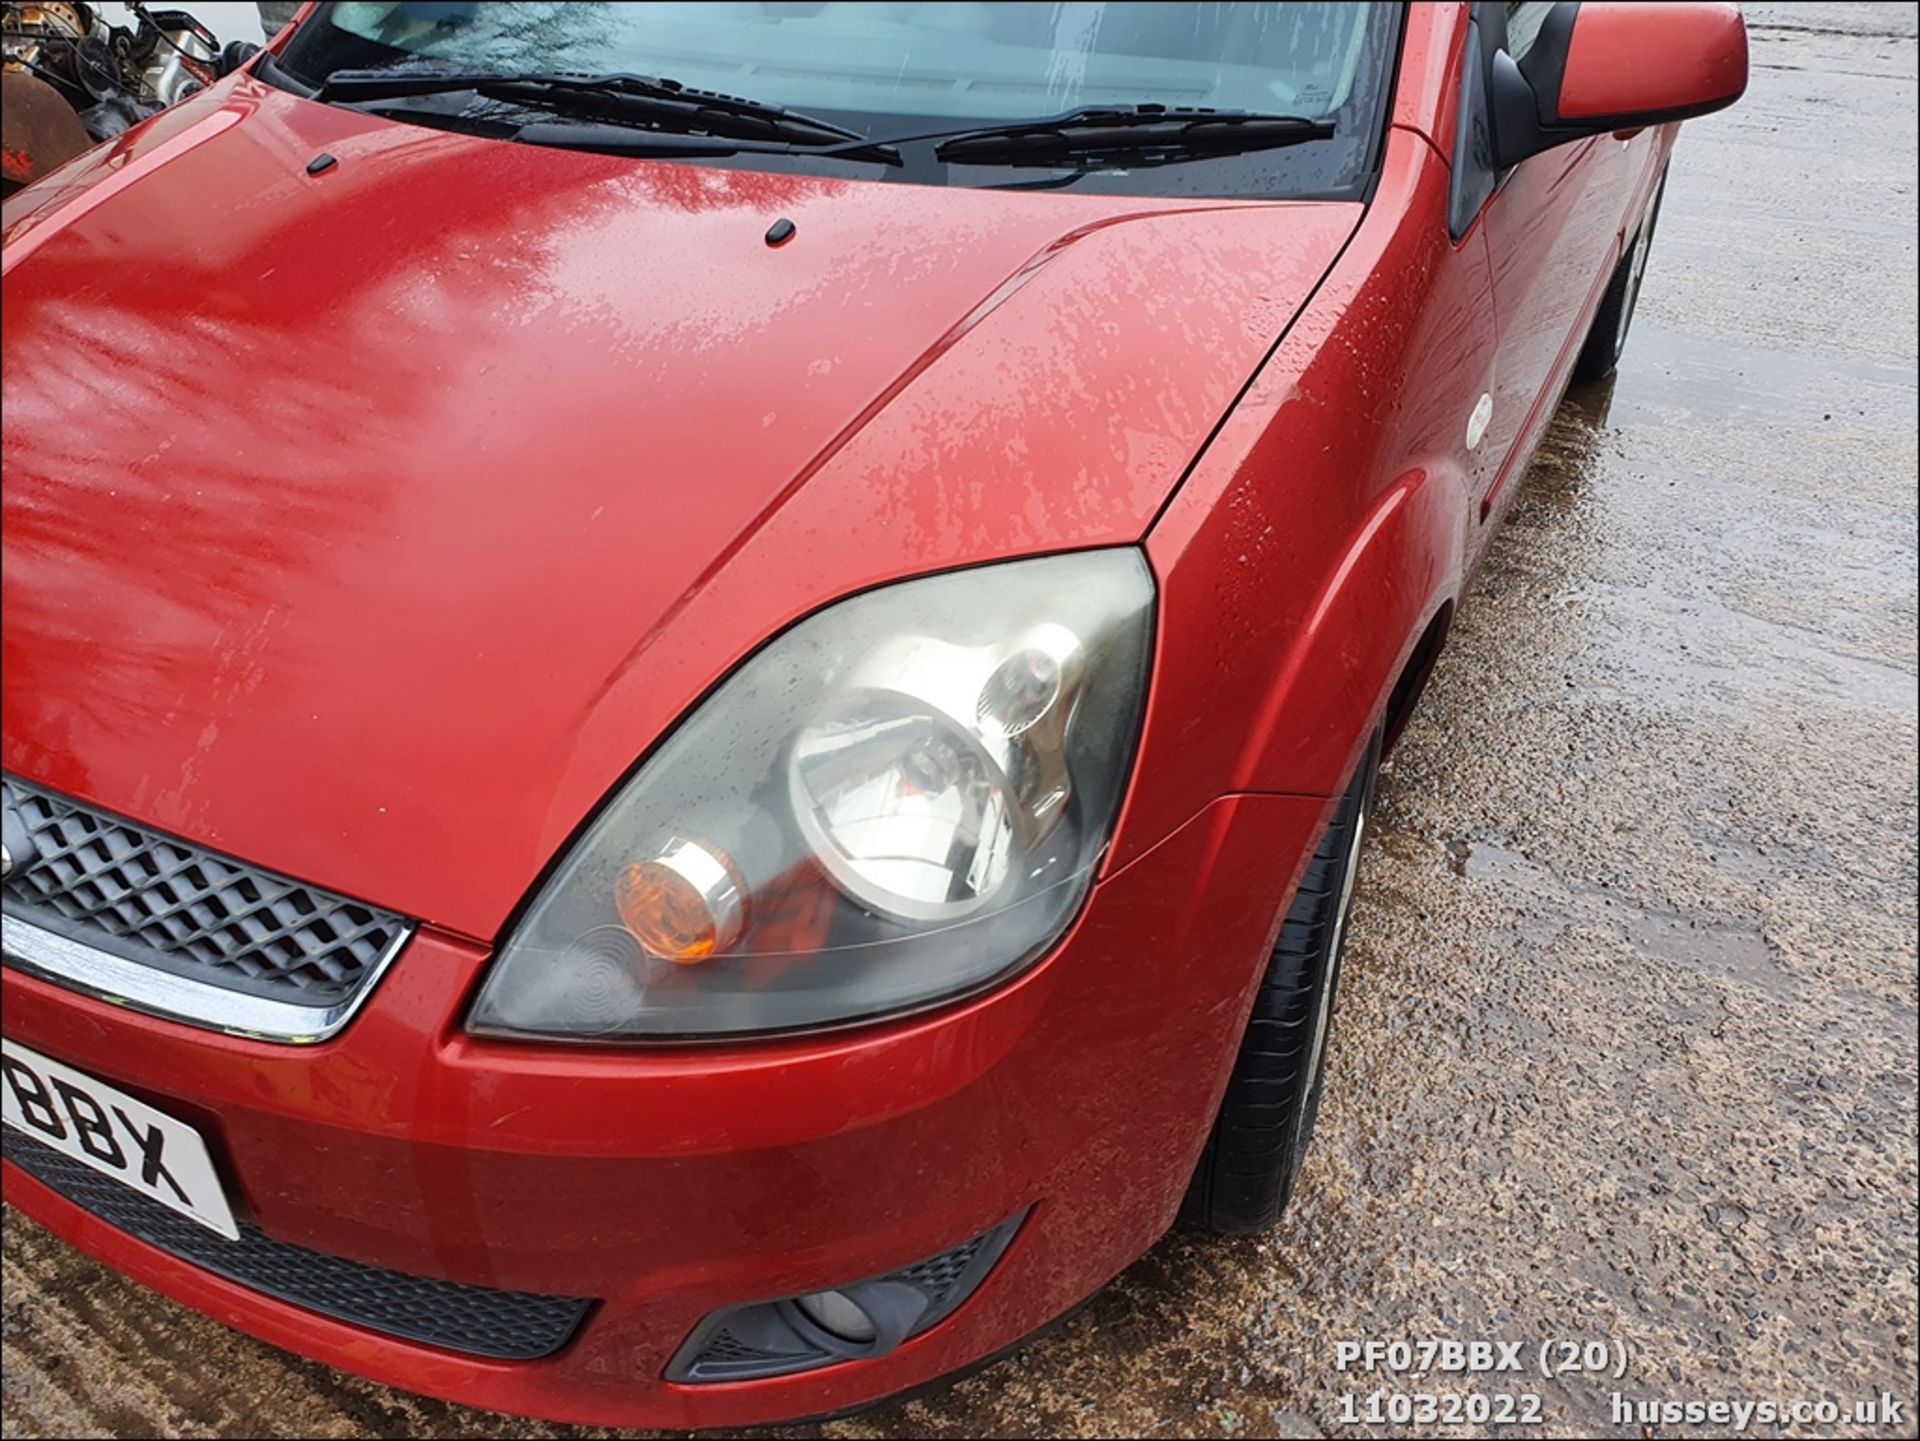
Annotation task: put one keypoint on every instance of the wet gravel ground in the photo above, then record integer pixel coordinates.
(1627, 1045)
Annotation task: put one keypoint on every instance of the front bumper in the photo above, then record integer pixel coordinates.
(665, 1184)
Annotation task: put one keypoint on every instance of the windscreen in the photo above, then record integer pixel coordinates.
(889, 68)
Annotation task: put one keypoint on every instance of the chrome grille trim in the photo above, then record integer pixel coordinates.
(66, 962)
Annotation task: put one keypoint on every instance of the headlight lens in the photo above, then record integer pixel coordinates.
(901, 798)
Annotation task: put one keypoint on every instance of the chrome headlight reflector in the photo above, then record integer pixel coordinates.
(900, 799)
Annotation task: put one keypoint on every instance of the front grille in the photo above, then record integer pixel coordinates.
(476, 1320)
(150, 898)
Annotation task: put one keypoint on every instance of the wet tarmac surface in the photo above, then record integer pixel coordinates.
(1626, 1049)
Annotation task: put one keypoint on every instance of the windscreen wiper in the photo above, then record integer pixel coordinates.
(1136, 135)
(604, 138)
(618, 99)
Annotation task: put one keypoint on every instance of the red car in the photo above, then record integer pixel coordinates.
(686, 751)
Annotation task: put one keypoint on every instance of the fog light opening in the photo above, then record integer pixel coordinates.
(857, 1321)
(863, 1320)
(839, 1315)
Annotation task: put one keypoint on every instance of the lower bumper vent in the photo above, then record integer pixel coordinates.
(476, 1320)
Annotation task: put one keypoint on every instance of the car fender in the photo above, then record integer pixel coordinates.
(1292, 690)
(1325, 527)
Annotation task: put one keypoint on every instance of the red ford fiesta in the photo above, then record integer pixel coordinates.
(684, 751)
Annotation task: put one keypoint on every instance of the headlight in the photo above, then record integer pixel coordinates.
(900, 799)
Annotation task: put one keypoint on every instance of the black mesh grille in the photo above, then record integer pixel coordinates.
(167, 903)
(506, 1325)
(938, 1276)
(725, 1347)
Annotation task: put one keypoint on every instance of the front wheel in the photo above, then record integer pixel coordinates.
(1607, 338)
(1259, 1140)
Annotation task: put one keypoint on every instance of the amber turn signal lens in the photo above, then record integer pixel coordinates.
(683, 906)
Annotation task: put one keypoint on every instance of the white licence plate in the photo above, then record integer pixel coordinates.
(161, 1158)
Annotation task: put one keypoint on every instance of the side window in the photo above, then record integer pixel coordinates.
(1473, 173)
(1523, 26)
(1494, 28)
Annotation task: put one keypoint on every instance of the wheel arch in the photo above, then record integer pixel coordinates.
(1369, 644)
(1414, 675)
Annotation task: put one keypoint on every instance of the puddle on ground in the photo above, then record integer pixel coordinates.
(1733, 948)
(1735, 951)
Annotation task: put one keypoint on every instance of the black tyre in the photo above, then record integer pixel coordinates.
(1607, 338)
(1246, 1174)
